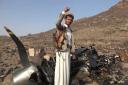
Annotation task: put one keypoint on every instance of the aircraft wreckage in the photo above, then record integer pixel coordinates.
(87, 60)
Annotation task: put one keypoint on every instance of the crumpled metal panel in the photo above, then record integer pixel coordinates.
(22, 76)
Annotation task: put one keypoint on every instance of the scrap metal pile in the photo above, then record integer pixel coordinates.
(105, 69)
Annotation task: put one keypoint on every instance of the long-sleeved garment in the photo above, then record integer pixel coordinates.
(62, 68)
(69, 39)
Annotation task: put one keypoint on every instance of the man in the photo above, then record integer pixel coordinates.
(64, 46)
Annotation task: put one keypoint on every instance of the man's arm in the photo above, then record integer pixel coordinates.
(73, 48)
(61, 16)
(58, 24)
(73, 45)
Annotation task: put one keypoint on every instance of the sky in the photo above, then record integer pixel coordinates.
(34, 16)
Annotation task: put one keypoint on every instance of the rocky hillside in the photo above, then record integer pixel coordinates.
(107, 30)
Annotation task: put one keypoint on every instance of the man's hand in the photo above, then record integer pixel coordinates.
(66, 9)
(73, 54)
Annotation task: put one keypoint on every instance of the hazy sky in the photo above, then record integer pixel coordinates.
(34, 16)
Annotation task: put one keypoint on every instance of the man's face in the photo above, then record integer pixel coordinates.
(68, 20)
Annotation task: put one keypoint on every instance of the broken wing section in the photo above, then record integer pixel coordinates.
(21, 49)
